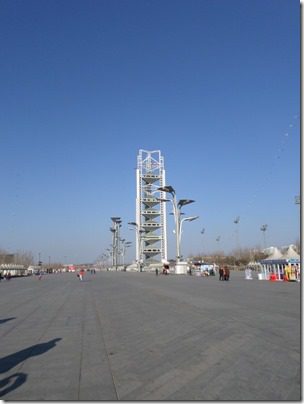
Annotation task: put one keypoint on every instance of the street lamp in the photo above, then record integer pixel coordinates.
(109, 254)
(115, 230)
(112, 229)
(202, 232)
(263, 229)
(236, 222)
(177, 205)
(139, 232)
(218, 239)
(125, 245)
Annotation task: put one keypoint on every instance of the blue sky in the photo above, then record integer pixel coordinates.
(213, 84)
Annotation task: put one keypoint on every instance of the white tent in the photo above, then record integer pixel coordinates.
(291, 253)
(275, 254)
(276, 262)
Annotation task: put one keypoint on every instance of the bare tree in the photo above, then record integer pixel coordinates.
(6, 257)
(24, 258)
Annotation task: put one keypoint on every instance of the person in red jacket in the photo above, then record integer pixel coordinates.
(81, 274)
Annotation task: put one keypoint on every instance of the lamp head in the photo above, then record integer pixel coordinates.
(183, 202)
(191, 218)
(163, 200)
(167, 188)
(116, 219)
(236, 220)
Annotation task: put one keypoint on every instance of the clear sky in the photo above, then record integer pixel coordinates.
(85, 84)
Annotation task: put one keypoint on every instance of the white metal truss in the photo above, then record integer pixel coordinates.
(151, 235)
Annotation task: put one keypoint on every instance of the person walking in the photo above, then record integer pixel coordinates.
(81, 274)
(221, 274)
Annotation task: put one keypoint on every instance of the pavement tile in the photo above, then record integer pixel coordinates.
(129, 336)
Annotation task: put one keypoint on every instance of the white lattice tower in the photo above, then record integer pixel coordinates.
(151, 235)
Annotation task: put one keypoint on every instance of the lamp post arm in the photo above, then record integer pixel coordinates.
(180, 229)
(185, 219)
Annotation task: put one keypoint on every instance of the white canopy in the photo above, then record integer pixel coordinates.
(275, 254)
(290, 254)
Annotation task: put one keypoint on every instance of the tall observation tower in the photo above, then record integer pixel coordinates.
(151, 234)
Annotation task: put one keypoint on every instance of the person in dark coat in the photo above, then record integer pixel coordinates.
(226, 273)
(221, 274)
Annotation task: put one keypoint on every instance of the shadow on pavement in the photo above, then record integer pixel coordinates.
(10, 361)
(4, 320)
(14, 359)
(11, 383)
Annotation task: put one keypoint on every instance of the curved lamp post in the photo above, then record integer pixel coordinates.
(185, 219)
(177, 205)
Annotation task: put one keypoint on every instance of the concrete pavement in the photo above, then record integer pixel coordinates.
(136, 336)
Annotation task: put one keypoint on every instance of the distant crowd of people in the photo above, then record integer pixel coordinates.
(224, 272)
(6, 276)
(81, 273)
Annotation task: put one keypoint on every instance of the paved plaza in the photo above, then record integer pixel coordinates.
(137, 336)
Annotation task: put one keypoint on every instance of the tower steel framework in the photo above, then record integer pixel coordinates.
(151, 234)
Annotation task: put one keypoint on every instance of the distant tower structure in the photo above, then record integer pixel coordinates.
(151, 235)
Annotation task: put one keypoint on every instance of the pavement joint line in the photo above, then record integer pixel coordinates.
(105, 346)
